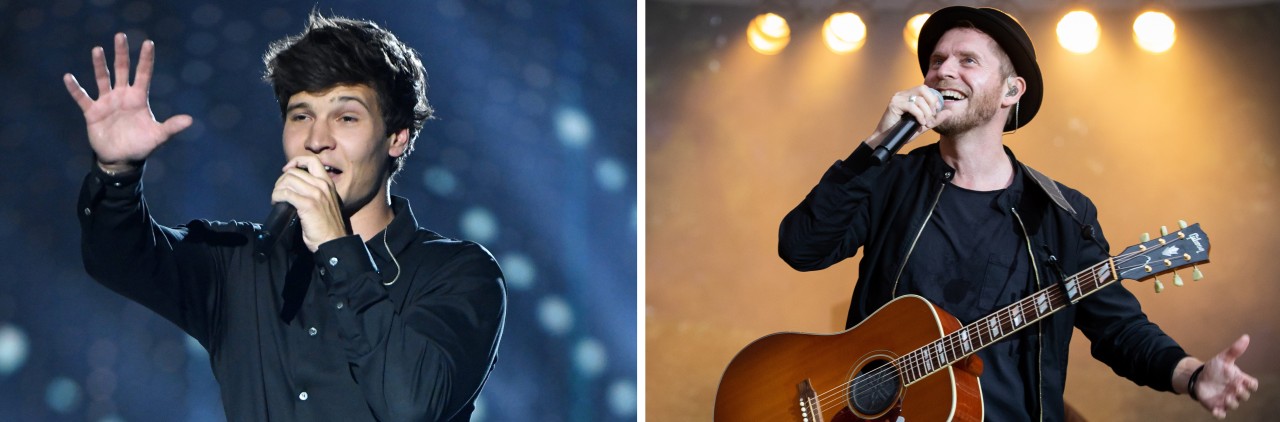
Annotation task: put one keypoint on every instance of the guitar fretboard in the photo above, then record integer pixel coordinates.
(961, 343)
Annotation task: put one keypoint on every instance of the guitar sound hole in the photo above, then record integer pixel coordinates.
(874, 388)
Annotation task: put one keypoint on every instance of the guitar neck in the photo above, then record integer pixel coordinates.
(1186, 247)
(987, 330)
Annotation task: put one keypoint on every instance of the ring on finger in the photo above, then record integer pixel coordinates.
(911, 99)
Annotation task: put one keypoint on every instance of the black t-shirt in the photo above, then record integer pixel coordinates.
(971, 260)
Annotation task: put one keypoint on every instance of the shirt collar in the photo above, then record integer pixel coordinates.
(403, 229)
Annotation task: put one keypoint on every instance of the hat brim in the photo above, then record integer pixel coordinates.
(1007, 33)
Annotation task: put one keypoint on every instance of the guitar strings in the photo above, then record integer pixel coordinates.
(912, 361)
(949, 342)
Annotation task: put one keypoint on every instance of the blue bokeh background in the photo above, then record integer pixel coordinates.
(533, 154)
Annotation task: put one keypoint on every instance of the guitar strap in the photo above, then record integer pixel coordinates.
(1051, 188)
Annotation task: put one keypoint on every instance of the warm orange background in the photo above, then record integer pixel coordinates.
(736, 139)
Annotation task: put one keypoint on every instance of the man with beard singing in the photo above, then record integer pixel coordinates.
(965, 225)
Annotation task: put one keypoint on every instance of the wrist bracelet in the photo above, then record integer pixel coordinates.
(1191, 383)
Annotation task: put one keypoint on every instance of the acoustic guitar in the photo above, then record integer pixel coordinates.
(911, 360)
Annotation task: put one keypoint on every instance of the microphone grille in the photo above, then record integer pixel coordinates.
(937, 94)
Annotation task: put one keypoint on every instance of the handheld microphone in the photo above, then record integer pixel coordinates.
(281, 216)
(897, 136)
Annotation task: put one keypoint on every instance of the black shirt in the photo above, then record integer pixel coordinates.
(403, 327)
(972, 260)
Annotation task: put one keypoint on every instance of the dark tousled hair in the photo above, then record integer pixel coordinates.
(338, 51)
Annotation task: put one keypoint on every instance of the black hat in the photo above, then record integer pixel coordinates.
(1007, 33)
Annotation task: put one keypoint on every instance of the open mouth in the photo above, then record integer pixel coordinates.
(952, 95)
(333, 171)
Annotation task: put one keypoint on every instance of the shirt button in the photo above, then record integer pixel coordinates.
(116, 184)
(313, 331)
(87, 211)
(339, 305)
(321, 271)
(333, 261)
(302, 396)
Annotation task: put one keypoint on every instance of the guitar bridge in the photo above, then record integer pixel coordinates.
(810, 408)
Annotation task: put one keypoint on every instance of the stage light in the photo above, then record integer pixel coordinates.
(1154, 32)
(844, 32)
(768, 34)
(1078, 32)
(911, 32)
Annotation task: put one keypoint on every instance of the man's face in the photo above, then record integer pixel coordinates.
(965, 67)
(343, 127)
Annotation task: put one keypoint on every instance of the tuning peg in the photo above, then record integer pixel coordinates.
(1196, 275)
(1159, 286)
(1182, 223)
(1164, 230)
(1146, 237)
(1177, 279)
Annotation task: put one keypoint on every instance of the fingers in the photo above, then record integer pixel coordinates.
(319, 207)
(310, 163)
(100, 74)
(922, 104)
(146, 62)
(931, 97)
(176, 124)
(122, 60)
(1236, 349)
(77, 92)
(306, 175)
(299, 188)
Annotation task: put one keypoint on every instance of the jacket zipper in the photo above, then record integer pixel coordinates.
(1035, 271)
(903, 266)
(1040, 325)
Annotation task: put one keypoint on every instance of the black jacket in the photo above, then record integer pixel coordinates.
(858, 203)
(404, 327)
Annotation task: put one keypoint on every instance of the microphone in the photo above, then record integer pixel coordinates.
(281, 216)
(897, 136)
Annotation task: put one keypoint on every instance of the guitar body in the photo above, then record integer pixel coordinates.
(766, 380)
(910, 360)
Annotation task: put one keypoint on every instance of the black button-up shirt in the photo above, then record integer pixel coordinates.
(303, 336)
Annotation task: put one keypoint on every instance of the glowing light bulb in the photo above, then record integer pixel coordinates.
(1154, 32)
(768, 34)
(911, 32)
(844, 32)
(1078, 32)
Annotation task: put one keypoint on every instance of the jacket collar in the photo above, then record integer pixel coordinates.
(942, 172)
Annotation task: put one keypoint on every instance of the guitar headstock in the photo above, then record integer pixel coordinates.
(1186, 247)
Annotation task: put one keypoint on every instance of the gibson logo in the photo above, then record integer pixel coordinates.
(1195, 238)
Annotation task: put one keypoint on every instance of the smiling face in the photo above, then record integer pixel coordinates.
(343, 127)
(971, 71)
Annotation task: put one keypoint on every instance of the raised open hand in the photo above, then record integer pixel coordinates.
(122, 130)
(1222, 386)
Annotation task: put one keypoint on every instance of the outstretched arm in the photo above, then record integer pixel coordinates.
(1220, 385)
(122, 247)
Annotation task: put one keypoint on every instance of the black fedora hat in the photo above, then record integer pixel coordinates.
(1006, 31)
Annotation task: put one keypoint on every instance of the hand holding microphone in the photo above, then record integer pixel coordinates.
(306, 193)
(907, 126)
